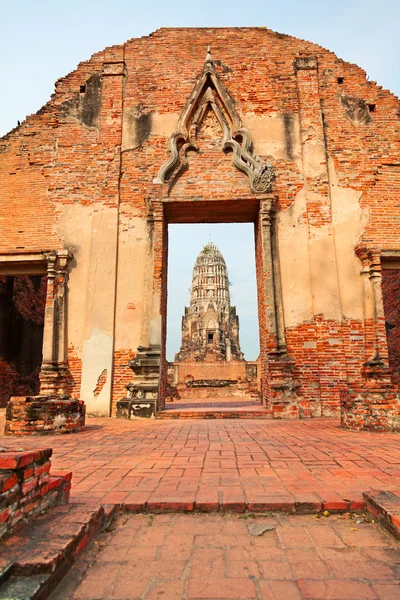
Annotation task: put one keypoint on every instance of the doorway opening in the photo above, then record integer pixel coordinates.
(22, 306)
(212, 331)
(391, 303)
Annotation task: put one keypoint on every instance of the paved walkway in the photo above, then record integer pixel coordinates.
(188, 557)
(223, 464)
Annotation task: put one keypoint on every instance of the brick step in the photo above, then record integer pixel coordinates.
(385, 507)
(35, 560)
(213, 414)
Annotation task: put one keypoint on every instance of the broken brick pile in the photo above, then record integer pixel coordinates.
(27, 488)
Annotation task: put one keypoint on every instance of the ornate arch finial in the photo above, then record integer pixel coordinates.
(210, 94)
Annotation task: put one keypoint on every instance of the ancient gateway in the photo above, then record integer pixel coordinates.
(261, 128)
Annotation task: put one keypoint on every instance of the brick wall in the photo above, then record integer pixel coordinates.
(112, 132)
(27, 488)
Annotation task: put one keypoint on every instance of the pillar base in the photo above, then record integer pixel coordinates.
(283, 400)
(43, 415)
(135, 408)
(142, 399)
(371, 409)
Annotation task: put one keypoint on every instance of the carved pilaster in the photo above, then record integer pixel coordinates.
(377, 360)
(282, 398)
(54, 371)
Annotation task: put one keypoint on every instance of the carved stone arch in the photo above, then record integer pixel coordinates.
(210, 94)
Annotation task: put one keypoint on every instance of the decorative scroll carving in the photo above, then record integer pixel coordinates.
(209, 94)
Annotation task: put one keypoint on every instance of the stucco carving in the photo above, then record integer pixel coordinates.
(210, 94)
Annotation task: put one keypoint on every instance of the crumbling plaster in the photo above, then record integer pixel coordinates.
(134, 265)
(91, 233)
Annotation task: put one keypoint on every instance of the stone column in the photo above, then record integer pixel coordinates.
(373, 404)
(268, 270)
(368, 304)
(280, 318)
(375, 276)
(282, 399)
(54, 371)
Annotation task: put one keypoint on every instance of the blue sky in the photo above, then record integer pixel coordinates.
(42, 41)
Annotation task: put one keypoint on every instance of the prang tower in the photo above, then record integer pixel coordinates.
(210, 325)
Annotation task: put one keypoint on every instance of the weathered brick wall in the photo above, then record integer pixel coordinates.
(22, 302)
(90, 157)
(27, 488)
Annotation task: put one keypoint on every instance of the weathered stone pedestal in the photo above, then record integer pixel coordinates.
(374, 406)
(42, 415)
(283, 401)
(142, 398)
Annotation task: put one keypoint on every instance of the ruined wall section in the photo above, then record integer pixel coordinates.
(69, 157)
(324, 336)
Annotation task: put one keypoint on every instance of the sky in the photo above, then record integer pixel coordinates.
(44, 40)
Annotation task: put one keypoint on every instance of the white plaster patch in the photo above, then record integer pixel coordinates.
(270, 137)
(294, 262)
(349, 221)
(96, 357)
(155, 331)
(60, 420)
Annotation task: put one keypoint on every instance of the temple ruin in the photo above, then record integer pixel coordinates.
(210, 325)
(261, 128)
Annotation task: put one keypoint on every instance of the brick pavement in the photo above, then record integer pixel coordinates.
(173, 556)
(223, 464)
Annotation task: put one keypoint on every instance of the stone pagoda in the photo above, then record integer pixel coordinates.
(210, 325)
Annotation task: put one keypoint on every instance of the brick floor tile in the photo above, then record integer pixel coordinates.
(365, 569)
(98, 582)
(224, 589)
(243, 568)
(310, 569)
(279, 590)
(369, 536)
(294, 537)
(324, 535)
(335, 589)
(141, 552)
(122, 537)
(151, 536)
(387, 591)
(136, 501)
(234, 526)
(208, 563)
(220, 540)
(165, 569)
(131, 588)
(276, 570)
(177, 546)
(168, 590)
